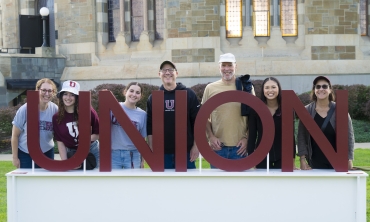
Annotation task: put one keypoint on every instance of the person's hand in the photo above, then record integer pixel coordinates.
(16, 162)
(215, 143)
(242, 144)
(304, 165)
(350, 165)
(194, 153)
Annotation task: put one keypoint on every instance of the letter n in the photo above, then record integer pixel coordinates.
(291, 103)
(107, 103)
(34, 134)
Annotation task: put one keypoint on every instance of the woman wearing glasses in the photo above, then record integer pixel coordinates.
(21, 157)
(322, 110)
(65, 124)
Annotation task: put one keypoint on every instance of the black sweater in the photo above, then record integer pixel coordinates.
(169, 117)
(256, 131)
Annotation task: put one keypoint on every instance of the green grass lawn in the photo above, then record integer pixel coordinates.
(362, 158)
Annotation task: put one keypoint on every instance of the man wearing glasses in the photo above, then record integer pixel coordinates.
(226, 127)
(168, 74)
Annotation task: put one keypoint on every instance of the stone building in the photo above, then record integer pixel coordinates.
(118, 41)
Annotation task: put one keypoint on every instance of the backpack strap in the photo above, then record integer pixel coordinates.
(328, 117)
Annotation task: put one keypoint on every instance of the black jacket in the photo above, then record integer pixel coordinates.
(243, 83)
(169, 117)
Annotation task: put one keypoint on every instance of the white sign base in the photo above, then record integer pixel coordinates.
(198, 196)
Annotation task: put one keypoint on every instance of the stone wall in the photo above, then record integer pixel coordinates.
(9, 22)
(37, 68)
(333, 52)
(193, 18)
(332, 16)
(76, 21)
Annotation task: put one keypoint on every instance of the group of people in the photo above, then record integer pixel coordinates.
(234, 130)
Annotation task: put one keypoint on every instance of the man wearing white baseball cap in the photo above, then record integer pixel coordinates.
(227, 128)
(65, 125)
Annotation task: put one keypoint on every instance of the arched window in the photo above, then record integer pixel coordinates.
(363, 17)
(288, 19)
(137, 22)
(234, 24)
(50, 5)
(261, 17)
(113, 19)
(159, 19)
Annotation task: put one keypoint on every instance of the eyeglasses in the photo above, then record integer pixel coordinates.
(50, 91)
(321, 86)
(167, 70)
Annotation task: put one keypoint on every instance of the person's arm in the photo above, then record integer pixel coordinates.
(150, 141)
(14, 142)
(62, 150)
(94, 137)
(194, 152)
(253, 130)
(213, 140)
(351, 143)
(302, 147)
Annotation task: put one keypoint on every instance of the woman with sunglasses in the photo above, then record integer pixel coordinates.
(322, 110)
(21, 157)
(271, 96)
(65, 123)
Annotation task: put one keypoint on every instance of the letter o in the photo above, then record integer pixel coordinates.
(266, 140)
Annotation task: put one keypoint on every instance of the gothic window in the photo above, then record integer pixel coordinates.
(261, 17)
(137, 21)
(363, 17)
(288, 19)
(234, 23)
(159, 19)
(113, 19)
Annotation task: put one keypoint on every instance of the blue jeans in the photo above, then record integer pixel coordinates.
(94, 149)
(169, 161)
(126, 159)
(26, 161)
(228, 152)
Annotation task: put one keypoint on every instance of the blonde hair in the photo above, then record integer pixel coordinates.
(46, 80)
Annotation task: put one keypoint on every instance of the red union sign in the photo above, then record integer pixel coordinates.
(155, 158)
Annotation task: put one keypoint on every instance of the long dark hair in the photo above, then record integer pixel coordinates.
(263, 97)
(61, 110)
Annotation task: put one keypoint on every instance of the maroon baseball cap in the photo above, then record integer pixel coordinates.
(167, 62)
(321, 77)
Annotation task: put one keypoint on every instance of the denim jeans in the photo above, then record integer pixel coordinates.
(26, 161)
(126, 159)
(94, 149)
(228, 152)
(169, 161)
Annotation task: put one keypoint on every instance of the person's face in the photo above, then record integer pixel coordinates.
(320, 92)
(69, 99)
(168, 75)
(227, 70)
(133, 94)
(46, 92)
(271, 90)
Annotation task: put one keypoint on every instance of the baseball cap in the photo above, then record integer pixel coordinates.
(321, 77)
(70, 86)
(167, 62)
(228, 57)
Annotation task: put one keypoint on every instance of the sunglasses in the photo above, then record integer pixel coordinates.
(321, 86)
